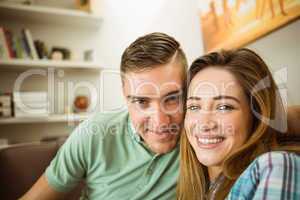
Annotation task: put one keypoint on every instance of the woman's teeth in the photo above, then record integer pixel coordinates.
(210, 141)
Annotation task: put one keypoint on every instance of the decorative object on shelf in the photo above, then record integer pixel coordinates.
(83, 5)
(89, 55)
(81, 103)
(56, 55)
(60, 53)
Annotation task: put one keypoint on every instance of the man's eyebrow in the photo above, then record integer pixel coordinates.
(215, 98)
(175, 92)
(137, 97)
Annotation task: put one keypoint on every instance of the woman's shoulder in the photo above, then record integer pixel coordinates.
(277, 159)
(272, 175)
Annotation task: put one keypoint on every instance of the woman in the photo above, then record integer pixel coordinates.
(234, 146)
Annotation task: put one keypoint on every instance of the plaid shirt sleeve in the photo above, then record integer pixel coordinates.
(273, 175)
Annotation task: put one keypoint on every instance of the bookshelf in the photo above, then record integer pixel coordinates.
(49, 15)
(28, 64)
(64, 118)
(67, 27)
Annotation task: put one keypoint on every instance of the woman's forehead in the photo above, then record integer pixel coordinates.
(213, 82)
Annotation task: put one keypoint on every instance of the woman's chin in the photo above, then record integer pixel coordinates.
(209, 161)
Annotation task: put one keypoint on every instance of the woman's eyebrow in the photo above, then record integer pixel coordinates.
(226, 97)
(215, 98)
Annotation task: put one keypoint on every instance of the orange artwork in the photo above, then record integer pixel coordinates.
(229, 24)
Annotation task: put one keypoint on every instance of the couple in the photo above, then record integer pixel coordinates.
(225, 143)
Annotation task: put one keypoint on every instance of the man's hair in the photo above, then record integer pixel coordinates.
(150, 51)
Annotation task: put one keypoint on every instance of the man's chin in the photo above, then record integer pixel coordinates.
(164, 137)
(162, 148)
(160, 143)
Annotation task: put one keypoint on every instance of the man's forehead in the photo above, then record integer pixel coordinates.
(152, 89)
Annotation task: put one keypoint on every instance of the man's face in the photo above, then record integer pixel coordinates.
(154, 100)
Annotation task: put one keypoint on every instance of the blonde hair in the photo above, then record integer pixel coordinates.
(269, 125)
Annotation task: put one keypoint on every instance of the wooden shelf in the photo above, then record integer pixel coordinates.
(45, 15)
(27, 64)
(47, 119)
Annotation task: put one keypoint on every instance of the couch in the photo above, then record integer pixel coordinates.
(21, 165)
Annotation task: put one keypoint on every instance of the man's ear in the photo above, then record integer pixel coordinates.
(293, 120)
(123, 89)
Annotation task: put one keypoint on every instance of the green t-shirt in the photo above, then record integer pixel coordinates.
(110, 156)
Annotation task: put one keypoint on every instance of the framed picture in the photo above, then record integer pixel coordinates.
(234, 23)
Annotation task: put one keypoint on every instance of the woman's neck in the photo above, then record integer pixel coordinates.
(214, 172)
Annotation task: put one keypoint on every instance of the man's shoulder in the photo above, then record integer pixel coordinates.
(110, 117)
(102, 123)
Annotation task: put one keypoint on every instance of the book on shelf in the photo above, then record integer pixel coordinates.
(5, 105)
(5, 112)
(41, 49)
(30, 96)
(29, 41)
(4, 53)
(5, 101)
(31, 112)
(25, 45)
(17, 46)
(10, 44)
(30, 104)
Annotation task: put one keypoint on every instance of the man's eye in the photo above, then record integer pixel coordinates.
(193, 107)
(139, 101)
(224, 108)
(172, 99)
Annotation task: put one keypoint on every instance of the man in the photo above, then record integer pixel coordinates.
(132, 154)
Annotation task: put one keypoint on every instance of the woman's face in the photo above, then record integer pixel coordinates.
(218, 118)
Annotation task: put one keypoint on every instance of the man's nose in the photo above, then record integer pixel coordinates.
(160, 117)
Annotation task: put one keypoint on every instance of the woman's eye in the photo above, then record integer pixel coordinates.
(225, 108)
(193, 107)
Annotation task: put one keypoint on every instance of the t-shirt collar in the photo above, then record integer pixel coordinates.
(133, 133)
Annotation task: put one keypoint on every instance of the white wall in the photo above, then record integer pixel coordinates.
(281, 49)
(124, 21)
